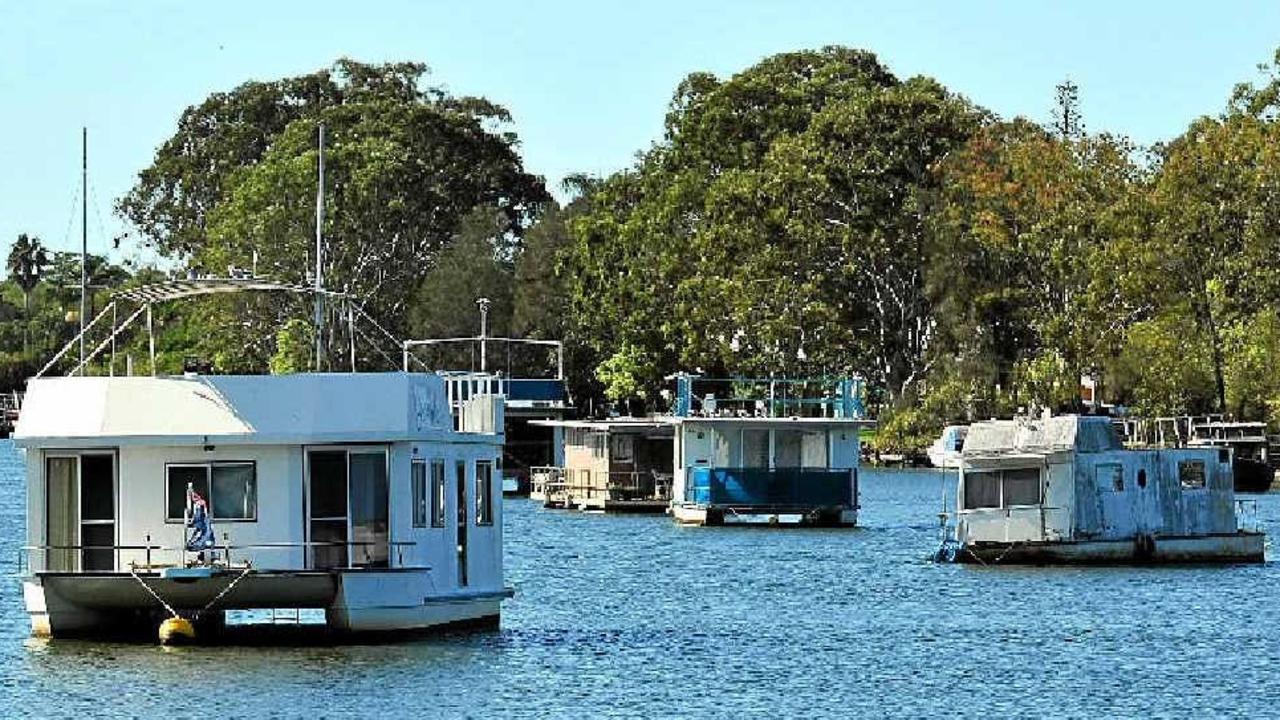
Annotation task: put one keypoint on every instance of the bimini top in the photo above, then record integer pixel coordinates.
(241, 409)
(1045, 436)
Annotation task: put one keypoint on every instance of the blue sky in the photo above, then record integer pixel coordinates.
(587, 82)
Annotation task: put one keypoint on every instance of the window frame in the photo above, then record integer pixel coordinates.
(1204, 474)
(484, 510)
(208, 470)
(999, 473)
(439, 493)
(419, 487)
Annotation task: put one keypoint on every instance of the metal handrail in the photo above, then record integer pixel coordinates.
(226, 548)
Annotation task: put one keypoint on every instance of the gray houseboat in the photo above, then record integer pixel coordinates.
(1065, 490)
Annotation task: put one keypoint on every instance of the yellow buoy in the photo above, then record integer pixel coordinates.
(176, 631)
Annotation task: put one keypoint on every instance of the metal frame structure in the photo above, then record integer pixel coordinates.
(142, 299)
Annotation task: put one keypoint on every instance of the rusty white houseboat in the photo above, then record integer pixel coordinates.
(1065, 490)
(357, 494)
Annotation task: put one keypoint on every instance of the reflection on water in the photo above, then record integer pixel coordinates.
(633, 616)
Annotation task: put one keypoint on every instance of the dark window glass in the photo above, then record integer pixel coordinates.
(97, 540)
(328, 484)
(484, 492)
(981, 490)
(419, 481)
(234, 490)
(1191, 474)
(329, 531)
(178, 478)
(1022, 487)
(437, 493)
(369, 509)
(97, 494)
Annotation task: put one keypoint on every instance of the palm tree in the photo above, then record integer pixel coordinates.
(27, 262)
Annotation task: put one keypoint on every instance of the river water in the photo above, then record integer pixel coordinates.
(635, 617)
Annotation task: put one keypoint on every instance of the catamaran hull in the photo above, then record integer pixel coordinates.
(116, 604)
(1221, 549)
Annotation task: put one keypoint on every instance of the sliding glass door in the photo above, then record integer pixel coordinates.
(80, 512)
(348, 507)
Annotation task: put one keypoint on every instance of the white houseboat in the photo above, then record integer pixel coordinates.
(945, 452)
(1065, 490)
(358, 494)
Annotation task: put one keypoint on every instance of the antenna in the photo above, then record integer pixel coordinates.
(319, 280)
(84, 232)
(484, 328)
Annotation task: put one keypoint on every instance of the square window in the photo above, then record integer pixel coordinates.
(235, 495)
(1191, 474)
(229, 488)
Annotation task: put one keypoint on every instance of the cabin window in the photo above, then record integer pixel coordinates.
(1110, 477)
(1191, 474)
(755, 448)
(800, 448)
(623, 449)
(230, 489)
(484, 492)
(437, 493)
(981, 490)
(1021, 487)
(419, 477)
(598, 441)
(1002, 488)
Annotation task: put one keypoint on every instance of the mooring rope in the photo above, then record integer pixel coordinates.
(225, 590)
(154, 594)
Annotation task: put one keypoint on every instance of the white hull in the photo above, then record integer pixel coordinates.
(357, 602)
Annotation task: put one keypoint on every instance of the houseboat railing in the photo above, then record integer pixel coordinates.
(558, 483)
(182, 552)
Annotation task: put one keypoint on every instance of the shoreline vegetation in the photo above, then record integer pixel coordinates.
(813, 214)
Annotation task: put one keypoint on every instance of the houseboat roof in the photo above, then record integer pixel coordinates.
(241, 409)
(1040, 437)
(611, 424)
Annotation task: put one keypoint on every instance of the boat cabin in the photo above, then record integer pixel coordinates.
(1065, 490)
(767, 452)
(770, 471)
(350, 493)
(620, 465)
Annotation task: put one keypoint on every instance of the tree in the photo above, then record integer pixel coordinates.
(777, 229)
(404, 165)
(27, 263)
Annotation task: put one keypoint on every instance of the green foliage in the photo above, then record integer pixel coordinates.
(295, 343)
(404, 165)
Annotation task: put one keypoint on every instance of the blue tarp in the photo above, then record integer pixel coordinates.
(761, 486)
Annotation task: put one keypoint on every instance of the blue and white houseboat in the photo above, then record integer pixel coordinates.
(1065, 490)
(361, 495)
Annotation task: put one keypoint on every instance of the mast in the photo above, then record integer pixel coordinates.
(319, 282)
(484, 330)
(84, 232)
